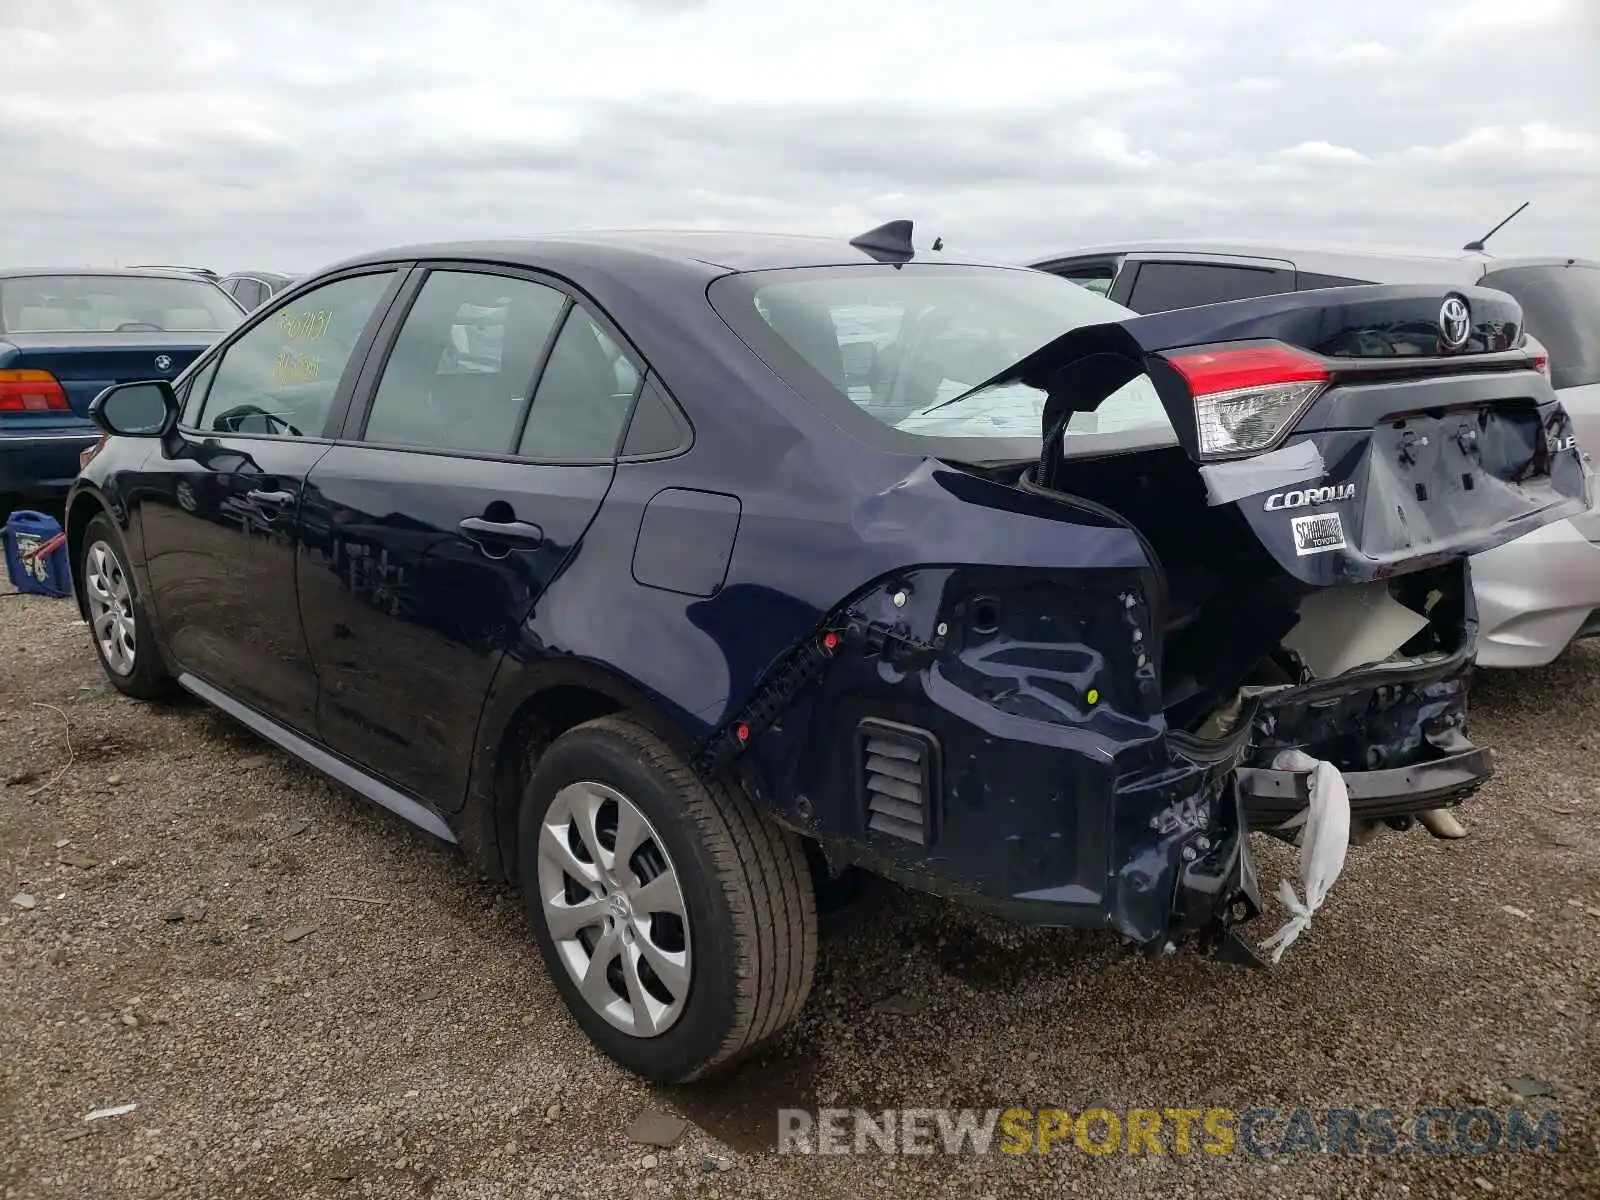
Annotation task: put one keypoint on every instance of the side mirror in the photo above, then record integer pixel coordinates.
(146, 410)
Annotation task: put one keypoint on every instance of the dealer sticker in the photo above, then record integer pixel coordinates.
(1317, 533)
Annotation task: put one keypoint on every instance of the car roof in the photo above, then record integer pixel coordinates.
(703, 252)
(117, 272)
(1385, 264)
(264, 276)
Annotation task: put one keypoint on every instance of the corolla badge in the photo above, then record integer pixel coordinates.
(1455, 323)
(163, 362)
(1317, 495)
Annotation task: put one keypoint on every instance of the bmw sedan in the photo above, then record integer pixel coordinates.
(719, 564)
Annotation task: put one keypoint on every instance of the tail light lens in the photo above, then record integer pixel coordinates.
(31, 391)
(1246, 396)
(1538, 356)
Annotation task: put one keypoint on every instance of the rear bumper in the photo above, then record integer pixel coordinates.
(1272, 797)
(42, 464)
(1536, 594)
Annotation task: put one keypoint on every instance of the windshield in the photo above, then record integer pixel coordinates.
(901, 344)
(113, 304)
(1561, 306)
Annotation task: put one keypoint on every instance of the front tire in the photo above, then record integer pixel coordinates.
(119, 627)
(677, 922)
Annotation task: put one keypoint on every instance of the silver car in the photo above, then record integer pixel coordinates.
(1536, 594)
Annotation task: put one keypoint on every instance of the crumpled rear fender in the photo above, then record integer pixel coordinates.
(1059, 798)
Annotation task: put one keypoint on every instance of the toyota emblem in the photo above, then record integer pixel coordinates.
(163, 362)
(1455, 323)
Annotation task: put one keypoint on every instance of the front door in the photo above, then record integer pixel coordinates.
(218, 507)
(431, 533)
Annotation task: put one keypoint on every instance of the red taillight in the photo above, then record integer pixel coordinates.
(1230, 370)
(31, 391)
(1247, 397)
(1540, 363)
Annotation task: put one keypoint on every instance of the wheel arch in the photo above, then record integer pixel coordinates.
(83, 506)
(529, 706)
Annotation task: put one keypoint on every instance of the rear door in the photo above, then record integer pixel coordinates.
(218, 506)
(449, 505)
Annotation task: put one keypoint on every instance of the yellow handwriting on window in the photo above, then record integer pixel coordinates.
(290, 367)
(311, 325)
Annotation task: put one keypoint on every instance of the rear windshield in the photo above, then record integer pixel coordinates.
(113, 304)
(1561, 306)
(904, 344)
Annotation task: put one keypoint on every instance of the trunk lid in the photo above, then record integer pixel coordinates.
(1361, 432)
(88, 363)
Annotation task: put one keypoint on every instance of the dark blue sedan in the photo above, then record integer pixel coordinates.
(66, 335)
(673, 575)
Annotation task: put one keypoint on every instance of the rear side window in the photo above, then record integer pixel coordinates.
(1310, 281)
(1095, 277)
(1162, 286)
(1561, 307)
(461, 369)
(584, 395)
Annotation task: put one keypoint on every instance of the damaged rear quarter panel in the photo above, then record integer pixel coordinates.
(1058, 800)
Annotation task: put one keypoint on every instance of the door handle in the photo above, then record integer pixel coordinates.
(279, 499)
(519, 534)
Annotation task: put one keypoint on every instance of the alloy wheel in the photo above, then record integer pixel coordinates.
(614, 908)
(111, 608)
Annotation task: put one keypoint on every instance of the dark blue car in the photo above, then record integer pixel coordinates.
(724, 563)
(65, 336)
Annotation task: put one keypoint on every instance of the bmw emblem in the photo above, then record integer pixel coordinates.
(1455, 323)
(163, 362)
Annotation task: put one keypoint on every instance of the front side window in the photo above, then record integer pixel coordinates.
(113, 304)
(193, 393)
(906, 346)
(460, 372)
(279, 378)
(584, 396)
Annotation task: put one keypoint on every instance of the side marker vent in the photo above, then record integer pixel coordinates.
(900, 780)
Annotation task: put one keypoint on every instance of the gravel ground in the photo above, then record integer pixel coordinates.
(305, 997)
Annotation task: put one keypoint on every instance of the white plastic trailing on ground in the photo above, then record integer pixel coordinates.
(1323, 843)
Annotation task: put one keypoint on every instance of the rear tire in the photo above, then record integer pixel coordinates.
(735, 966)
(119, 626)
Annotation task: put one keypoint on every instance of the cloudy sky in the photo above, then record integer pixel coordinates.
(290, 133)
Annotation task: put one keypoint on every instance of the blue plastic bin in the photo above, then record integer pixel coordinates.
(27, 533)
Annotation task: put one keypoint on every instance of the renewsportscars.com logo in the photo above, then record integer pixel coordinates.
(1378, 1132)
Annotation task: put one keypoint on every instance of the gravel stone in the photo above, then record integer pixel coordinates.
(263, 1069)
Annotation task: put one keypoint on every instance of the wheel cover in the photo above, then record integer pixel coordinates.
(110, 608)
(614, 908)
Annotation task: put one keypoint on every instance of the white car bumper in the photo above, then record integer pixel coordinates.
(1536, 593)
